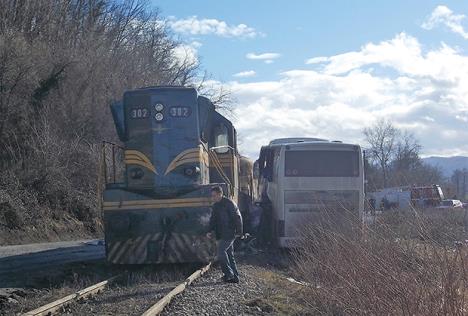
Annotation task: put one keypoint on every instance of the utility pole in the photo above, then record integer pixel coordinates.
(365, 172)
(457, 181)
(465, 173)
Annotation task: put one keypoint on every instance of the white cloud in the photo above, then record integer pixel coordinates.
(268, 58)
(316, 60)
(196, 44)
(402, 53)
(263, 56)
(425, 91)
(245, 74)
(443, 15)
(195, 26)
(187, 53)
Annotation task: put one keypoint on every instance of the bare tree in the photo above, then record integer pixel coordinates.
(459, 179)
(382, 139)
(406, 166)
(61, 64)
(217, 92)
(407, 152)
(394, 159)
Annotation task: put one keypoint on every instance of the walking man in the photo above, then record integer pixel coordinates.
(226, 223)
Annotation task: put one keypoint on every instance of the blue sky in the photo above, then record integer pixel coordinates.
(331, 68)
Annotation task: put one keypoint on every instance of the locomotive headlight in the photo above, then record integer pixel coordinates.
(159, 117)
(191, 171)
(158, 107)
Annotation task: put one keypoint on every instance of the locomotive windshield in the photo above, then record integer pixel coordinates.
(323, 163)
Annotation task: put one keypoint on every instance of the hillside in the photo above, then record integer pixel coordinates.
(447, 164)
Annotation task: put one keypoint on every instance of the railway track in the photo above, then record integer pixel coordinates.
(59, 306)
(55, 307)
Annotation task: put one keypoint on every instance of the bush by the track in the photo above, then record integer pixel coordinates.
(61, 65)
(410, 263)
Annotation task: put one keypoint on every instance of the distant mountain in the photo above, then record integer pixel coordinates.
(447, 164)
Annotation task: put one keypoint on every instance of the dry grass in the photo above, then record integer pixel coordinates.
(62, 63)
(404, 264)
(280, 296)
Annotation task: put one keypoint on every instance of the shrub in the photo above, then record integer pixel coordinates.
(403, 265)
(61, 64)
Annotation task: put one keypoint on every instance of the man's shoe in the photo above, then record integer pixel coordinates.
(234, 279)
(226, 278)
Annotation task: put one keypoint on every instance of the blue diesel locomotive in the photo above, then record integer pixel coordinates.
(176, 148)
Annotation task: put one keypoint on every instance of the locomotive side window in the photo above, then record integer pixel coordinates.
(139, 113)
(221, 139)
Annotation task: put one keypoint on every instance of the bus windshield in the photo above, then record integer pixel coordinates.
(321, 163)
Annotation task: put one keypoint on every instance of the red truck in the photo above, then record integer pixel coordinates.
(426, 196)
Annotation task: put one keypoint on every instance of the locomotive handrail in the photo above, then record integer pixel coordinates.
(113, 144)
(219, 168)
(217, 163)
(104, 162)
(102, 173)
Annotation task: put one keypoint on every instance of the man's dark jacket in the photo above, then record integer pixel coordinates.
(226, 220)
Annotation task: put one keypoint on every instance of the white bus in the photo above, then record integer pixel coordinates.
(304, 177)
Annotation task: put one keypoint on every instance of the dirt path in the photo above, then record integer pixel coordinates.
(15, 250)
(19, 264)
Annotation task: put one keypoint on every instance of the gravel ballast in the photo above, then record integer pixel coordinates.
(211, 296)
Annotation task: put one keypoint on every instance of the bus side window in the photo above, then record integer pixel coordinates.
(221, 139)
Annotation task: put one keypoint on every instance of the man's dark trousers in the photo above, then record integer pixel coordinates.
(225, 254)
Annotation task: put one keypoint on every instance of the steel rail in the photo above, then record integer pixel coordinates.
(157, 308)
(56, 306)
